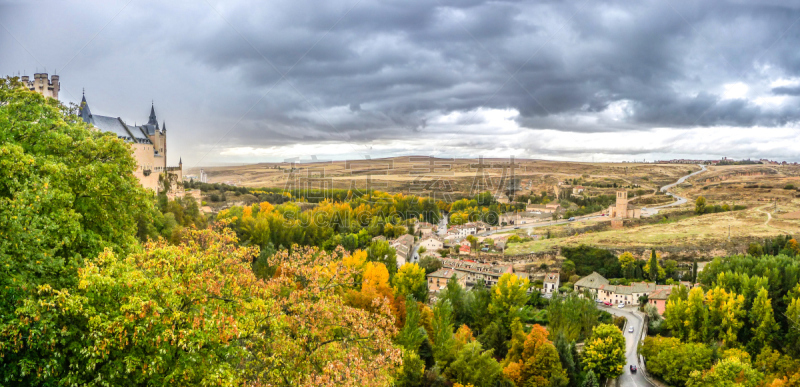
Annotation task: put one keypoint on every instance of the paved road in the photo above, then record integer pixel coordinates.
(678, 199)
(636, 321)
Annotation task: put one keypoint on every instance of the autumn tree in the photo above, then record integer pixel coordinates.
(538, 361)
(696, 315)
(731, 371)
(410, 281)
(381, 251)
(627, 261)
(196, 313)
(604, 352)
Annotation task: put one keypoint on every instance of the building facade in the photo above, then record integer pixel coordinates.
(149, 145)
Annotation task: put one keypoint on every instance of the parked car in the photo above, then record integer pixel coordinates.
(621, 305)
(572, 219)
(630, 329)
(607, 303)
(599, 301)
(633, 369)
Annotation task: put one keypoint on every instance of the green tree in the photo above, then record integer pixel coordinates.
(627, 261)
(730, 372)
(604, 352)
(381, 251)
(793, 335)
(443, 340)
(700, 205)
(568, 363)
(697, 315)
(410, 281)
(763, 322)
(430, 264)
(67, 193)
(672, 360)
(590, 380)
(509, 297)
(413, 334)
(653, 269)
(472, 365)
(755, 250)
(412, 373)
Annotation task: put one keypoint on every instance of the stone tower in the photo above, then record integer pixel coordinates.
(42, 85)
(622, 204)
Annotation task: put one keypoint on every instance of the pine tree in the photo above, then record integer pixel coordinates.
(590, 380)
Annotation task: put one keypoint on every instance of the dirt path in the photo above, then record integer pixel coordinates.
(769, 216)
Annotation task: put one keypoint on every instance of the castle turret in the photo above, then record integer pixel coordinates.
(153, 120)
(85, 113)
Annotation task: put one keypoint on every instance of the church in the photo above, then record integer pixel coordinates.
(149, 144)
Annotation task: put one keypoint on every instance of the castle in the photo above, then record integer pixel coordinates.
(42, 85)
(149, 143)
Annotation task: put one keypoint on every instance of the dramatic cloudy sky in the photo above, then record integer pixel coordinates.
(575, 80)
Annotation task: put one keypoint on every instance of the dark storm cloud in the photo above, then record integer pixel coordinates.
(294, 71)
(400, 61)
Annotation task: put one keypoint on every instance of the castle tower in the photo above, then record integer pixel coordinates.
(48, 87)
(622, 204)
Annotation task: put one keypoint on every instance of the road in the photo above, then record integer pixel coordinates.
(636, 321)
(678, 199)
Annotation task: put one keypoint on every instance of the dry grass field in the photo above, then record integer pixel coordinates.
(706, 231)
(417, 174)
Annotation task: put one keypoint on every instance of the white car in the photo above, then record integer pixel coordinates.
(621, 305)
(630, 329)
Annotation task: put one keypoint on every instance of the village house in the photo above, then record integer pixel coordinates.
(464, 249)
(461, 231)
(438, 279)
(602, 291)
(551, 283)
(474, 271)
(425, 228)
(432, 243)
(404, 246)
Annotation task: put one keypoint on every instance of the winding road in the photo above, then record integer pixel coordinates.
(650, 211)
(635, 320)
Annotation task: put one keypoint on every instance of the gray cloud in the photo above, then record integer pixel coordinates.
(290, 72)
